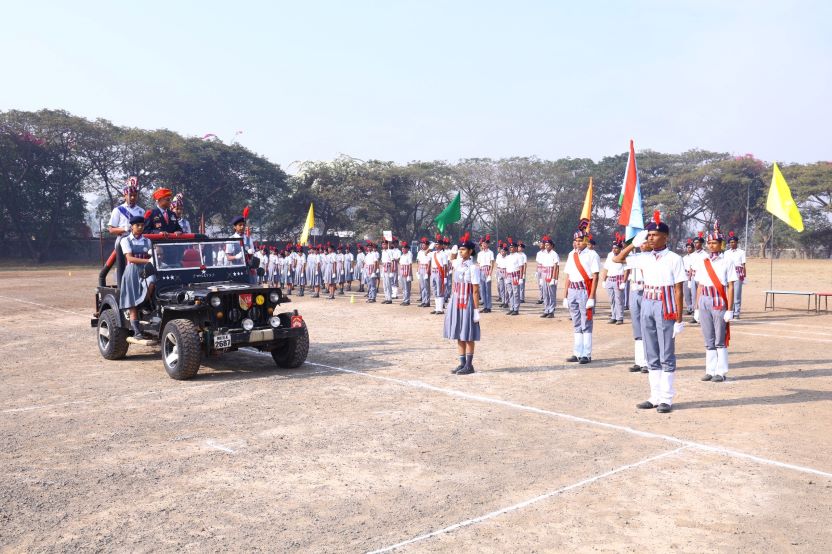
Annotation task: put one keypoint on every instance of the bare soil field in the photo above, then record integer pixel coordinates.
(373, 445)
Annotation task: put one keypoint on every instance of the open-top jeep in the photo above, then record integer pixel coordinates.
(203, 304)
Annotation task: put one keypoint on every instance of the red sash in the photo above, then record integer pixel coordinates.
(587, 281)
(720, 289)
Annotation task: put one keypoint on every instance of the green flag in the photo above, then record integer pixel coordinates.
(449, 215)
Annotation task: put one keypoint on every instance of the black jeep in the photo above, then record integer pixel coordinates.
(203, 304)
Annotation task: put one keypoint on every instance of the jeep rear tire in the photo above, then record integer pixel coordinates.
(292, 353)
(180, 349)
(112, 337)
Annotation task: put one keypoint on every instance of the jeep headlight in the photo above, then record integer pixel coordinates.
(248, 324)
(274, 298)
(274, 321)
(216, 301)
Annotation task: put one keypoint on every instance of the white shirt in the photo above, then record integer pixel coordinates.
(514, 262)
(272, 262)
(423, 257)
(590, 260)
(547, 259)
(371, 258)
(396, 253)
(723, 267)
(661, 269)
(120, 219)
(636, 273)
(737, 256)
(485, 257)
(500, 260)
(466, 271)
(613, 269)
(386, 256)
(439, 259)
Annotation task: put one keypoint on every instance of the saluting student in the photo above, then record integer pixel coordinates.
(661, 310)
(423, 261)
(737, 255)
(485, 259)
(714, 300)
(582, 267)
(462, 322)
(405, 263)
(612, 275)
(548, 271)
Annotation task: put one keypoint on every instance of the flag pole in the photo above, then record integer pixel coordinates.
(771, 265)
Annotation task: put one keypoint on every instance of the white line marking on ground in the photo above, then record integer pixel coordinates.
(218, 446)
(525, 503)
(42, 305)
(809, 339)
(42, 406)
(586, 421)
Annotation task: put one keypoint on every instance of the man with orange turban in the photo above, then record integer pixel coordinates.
(161, 219)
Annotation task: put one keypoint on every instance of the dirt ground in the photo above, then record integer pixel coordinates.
(373, 444)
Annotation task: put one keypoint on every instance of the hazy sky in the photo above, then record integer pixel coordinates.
(437, 80)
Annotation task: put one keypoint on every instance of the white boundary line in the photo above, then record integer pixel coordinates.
(810, 339)
(529, 502)
(43, 306)
(577, 419)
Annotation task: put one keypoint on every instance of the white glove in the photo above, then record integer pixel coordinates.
(677, 329)
(622, 286)
(521, 281)
(696, 315)
(566, 303)
(690, 285)
(409, 279)
(729, 315)
(590, 304)
(640, 238)
(554, 282)
(639, 287)
(488, 279)
(476, 315)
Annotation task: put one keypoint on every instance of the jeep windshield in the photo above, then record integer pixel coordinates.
(198, 255)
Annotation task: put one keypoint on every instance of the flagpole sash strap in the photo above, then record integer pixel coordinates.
(720, 289)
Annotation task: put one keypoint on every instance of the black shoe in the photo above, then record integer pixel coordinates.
(405, 303)
(611, 322)
(646, 405)
(467, 370)
(486, 311)
(645, 369)
(373, 301)
(718, 378)
(620, 322)
(433, 312)
(664, 408)
(551, 315)
(544, 314)
(515, 312)
(540, 301)
(635, 368)
(584, 360)
(573, 359)
(458, 368)
(707, 377)
(140, 336)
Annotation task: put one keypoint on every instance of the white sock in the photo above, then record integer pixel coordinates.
(578, 349)
(721, 367)
(440, 304)
(655, 378)
(638, 352)
(666, 390)
(710, 362)
(587, 345)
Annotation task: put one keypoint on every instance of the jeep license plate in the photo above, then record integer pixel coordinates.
(222, 341)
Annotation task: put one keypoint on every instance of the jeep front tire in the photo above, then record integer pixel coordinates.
(292, 353)
(180, 349)
(112, 337)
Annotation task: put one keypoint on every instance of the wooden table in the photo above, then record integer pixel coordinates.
(825, 296)
(770, 295)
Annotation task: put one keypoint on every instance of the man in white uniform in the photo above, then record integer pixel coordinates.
(582, 267)
(714, 305)
(736, 255)
(120, 216)
(405, 263)
(612, 276)
(514, 276)
(524, 259)
(423, 259)
(548, 270)
(485, 259)
(661, 310)
(688, 289)
(438, 271)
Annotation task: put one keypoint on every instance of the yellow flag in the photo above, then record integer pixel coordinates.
(586, 212)
(310, 222)
(780, 202)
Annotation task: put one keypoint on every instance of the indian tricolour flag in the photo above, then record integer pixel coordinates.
(631, 216)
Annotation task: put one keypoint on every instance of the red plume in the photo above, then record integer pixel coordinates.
(147, 214)
(657, 217)
(731, 234)
(701, 234)
(245, 211)
(438, 237)
(488, 237)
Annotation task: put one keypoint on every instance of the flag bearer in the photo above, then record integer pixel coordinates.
(582, 268)
(661, 310)
(714, 301)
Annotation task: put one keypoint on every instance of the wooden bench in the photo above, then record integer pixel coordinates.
(825, 296)
(770, 295)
